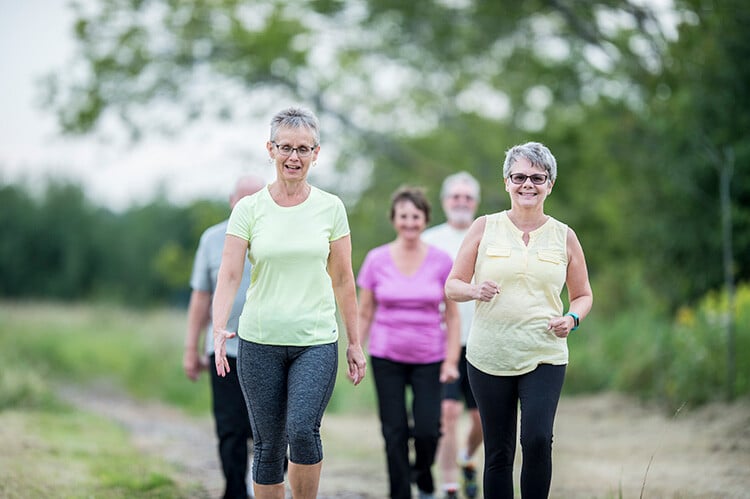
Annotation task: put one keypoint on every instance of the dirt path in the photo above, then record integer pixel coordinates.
(605, 446)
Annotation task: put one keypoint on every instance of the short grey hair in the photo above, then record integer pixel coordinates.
(296, 117)
(461, 177)
(538, 155)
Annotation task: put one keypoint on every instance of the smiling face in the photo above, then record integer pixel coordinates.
(527, 194)
(291, 167)
(460, 204)
(408, 220)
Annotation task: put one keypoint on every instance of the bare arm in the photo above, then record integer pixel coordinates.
(344, 289)
(367, 306)
(228, 281)
(579, 289)
(449, 368)
(459, 286)
(199, 310)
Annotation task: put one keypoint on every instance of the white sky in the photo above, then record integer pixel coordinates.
(204, 161)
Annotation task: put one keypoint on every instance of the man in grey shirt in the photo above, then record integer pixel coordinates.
(229, 409)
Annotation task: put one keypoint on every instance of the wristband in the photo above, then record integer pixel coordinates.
(576, 320)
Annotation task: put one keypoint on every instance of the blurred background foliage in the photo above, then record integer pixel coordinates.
(645, 105)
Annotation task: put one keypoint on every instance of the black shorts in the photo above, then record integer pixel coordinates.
(460, 389)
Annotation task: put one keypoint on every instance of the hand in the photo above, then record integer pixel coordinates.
(448, 372)
(220, 350)
(356, 363)
(191, 364)
(561, 326)
(486, 291)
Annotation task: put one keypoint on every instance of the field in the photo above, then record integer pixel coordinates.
(72, 427)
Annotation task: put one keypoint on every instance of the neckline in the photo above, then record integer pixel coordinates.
(301, 203)
(521, 231)
(389, 248)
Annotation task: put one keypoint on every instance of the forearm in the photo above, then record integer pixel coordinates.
(346, 300)
(453, 344)
(197, 319)
(460, 291)
(581, 305)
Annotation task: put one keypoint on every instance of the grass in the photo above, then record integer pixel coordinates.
(68, 453)
(53, 450)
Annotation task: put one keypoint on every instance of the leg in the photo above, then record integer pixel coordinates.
(262, 373)
(497, 401)
(312, 376)
(390, 384)
(425, 382)
(474, 438)
(450, 411)
(232, 429)
(539, 392)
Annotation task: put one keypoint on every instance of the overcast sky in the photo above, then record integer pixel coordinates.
(35, 39)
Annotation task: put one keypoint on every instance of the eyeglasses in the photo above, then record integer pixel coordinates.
(287, 150)
(520, 178)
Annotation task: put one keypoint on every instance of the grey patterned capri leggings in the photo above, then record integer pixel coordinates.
(286, 389)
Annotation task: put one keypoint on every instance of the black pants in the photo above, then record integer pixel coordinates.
(498, 398)
(232, 428)
(391, 380)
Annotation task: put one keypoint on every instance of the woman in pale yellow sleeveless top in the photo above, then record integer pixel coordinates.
(514, 264)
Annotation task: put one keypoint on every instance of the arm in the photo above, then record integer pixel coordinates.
(344, 289)
(198, 316)
(228, 281)
(367, 306)
(449, 368)
(579, 289)
(459, 286)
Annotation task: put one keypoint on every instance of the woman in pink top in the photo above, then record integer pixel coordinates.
(400, 302)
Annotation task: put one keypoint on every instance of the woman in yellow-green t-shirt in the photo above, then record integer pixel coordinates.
(297, 238)
(514, 264)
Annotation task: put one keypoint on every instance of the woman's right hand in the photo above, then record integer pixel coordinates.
(487, 290)
(220, 350)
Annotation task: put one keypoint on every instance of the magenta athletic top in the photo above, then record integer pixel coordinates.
(407, 324)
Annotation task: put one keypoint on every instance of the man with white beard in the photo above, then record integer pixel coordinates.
(460, 198)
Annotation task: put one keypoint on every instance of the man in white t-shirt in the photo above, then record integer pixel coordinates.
(460, 198)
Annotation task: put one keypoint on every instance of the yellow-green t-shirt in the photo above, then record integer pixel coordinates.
(509, 333)
(290, 293)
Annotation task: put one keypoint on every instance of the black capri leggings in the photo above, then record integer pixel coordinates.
(497, 398)
(286, 390)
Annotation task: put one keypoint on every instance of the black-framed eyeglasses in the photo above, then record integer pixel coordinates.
(520, 178)
(287, 150)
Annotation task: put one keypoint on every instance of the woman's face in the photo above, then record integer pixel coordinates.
(408, 220)
(527, 194)
(290, 166)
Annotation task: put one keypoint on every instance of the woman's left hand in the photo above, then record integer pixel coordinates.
(356, 363)
(448, 372)
(560, 326)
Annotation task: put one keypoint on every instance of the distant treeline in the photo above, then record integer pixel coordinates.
(58, 245)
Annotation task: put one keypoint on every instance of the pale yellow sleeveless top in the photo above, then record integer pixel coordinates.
(509, 334)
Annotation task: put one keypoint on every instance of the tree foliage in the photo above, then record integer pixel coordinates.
(58, 245)
(408, 92)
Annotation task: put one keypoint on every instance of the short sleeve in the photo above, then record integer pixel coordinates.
(366, 276)
(340, 222)
(446, 265)
(239, 221)
(200, 279)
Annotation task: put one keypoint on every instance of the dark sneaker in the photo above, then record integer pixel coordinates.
(469, 480)
(451, 494)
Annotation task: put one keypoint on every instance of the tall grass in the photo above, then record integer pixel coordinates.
(639, 351)
(140, 350)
